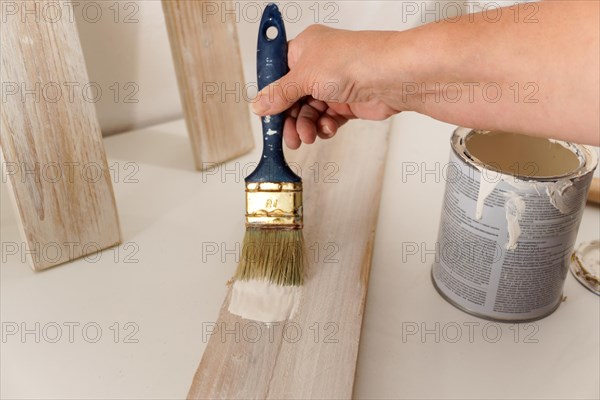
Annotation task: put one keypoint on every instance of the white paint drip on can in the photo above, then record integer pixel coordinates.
(514, 207)
(485, 189)
(509, 223)
(559, 195)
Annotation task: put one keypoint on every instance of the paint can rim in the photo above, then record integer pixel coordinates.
(588, 159)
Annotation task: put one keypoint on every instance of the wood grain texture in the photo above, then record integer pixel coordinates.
(313, 355)
(53, 155)
(211, 82)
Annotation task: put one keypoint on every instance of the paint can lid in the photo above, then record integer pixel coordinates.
(585, 265)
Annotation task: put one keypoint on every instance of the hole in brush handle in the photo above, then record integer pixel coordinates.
(272, 47)
(271, 33)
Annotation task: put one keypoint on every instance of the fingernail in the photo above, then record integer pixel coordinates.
(327, 130)
(260, 104)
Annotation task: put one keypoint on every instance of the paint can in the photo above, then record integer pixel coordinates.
(511, 212)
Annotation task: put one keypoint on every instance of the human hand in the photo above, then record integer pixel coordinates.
(335, 75)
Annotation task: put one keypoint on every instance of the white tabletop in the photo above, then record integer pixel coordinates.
(157, 292)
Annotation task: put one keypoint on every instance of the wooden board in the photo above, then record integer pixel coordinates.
(53, 155)
(211, 81)
(313, 355)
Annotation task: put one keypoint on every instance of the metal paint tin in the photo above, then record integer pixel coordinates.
(511, 212)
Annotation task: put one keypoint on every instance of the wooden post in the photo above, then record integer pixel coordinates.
(208, 64)
(53, 155)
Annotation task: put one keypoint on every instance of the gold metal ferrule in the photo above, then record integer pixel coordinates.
(274, 205)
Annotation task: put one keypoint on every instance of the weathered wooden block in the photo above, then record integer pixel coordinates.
(211, 81)
(53, 155)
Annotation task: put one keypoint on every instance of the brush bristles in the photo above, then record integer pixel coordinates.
(274, 255)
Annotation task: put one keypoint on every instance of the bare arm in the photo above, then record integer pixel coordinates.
(538, 76)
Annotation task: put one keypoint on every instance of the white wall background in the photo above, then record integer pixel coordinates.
(128, 56)
(127, 53)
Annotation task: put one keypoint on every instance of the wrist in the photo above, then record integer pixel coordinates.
(400, 66)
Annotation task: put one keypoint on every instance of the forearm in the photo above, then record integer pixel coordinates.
(538, 76)
(531, 69)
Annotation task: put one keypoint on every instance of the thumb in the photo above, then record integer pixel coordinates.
(279, 95)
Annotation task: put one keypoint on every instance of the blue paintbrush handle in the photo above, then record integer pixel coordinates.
(271, 65)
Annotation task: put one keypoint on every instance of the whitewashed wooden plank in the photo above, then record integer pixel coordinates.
(53, 155)
(314, 354)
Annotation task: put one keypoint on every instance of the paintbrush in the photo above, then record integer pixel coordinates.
(272, 262)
